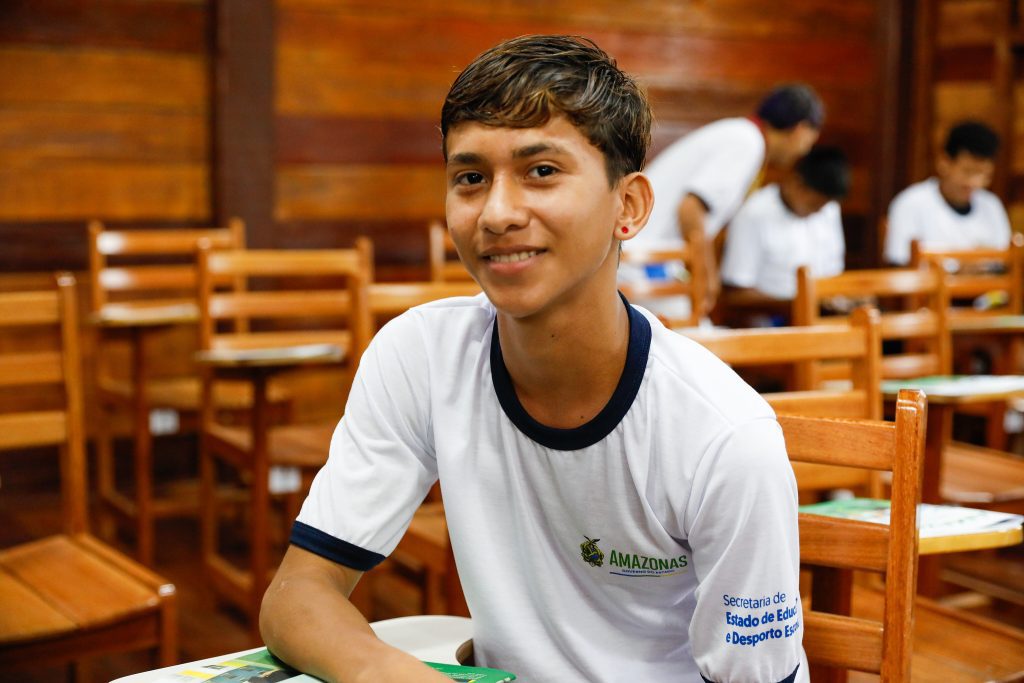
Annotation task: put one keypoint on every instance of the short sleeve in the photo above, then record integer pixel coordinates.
(998, 236)
(742, 257)
(833, 253)
(901, 230)
(724, 177)
(747, 625)
(381, 461)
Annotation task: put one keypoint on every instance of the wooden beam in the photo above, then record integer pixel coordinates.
(243, 116)
(923, 113)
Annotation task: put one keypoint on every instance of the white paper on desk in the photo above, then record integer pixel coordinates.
(950, 520)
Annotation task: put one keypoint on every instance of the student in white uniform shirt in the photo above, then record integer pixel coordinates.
(792, 224)
(952, 210)
(700, 180)
(619, 502)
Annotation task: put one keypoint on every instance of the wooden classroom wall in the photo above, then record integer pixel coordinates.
(359, 84)
(103, 114)
(106, 105)
(969, 53)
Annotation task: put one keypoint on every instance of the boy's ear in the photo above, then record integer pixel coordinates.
(637, 197)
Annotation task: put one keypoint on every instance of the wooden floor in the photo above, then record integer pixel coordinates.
(208, 629)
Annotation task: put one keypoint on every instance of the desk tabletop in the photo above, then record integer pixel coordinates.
(145, 314)
(959, 389)
(270, 357)
(958, 543)
(987, 323)
(432, 638)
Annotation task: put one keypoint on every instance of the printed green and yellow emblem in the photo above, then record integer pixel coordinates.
(592, 555)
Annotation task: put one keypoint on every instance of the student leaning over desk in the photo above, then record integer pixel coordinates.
(620, 503)
(701, 180)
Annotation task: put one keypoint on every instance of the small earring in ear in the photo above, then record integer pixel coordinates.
(625, 230)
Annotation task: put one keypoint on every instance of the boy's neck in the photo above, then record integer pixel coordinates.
(566, 363)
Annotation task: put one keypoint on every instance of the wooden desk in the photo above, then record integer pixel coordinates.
(986, 324)
(945, 394)
(432, 638)
(138, 322)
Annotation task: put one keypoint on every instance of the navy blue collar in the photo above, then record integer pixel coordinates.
(605, 421)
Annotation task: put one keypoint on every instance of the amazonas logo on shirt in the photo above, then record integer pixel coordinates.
(621, 563)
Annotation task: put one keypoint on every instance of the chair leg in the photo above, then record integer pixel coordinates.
(79, 671)
(259, 499)
(143, 454)
(106, 520)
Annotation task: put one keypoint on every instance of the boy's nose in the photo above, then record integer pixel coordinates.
(503, 209)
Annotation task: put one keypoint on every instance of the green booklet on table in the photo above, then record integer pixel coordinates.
(263, 667)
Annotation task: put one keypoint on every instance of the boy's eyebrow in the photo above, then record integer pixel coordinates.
(468, 158)
(538, 148)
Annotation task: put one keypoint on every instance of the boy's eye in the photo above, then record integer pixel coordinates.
(469, 178)
(543, 171)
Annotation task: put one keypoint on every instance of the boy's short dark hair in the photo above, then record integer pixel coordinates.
(825, 170)
(972, 137)
(788, 105)
(522, 82)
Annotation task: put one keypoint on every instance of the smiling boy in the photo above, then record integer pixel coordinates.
(620, 504)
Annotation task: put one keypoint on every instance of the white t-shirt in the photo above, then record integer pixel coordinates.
(921, 213)
(767, 243)
(718, 162)
(644, 545)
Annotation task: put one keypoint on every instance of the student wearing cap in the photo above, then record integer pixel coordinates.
(701, 180)
(951, 210)
(788, 225)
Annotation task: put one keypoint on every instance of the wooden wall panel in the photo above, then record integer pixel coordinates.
(359, 86)
(104, 113)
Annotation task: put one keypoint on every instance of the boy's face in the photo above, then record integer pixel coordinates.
(531, 214)
(796, 142)
(962, 175)
(802, 199)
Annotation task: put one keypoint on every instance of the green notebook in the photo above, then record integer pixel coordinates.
(472, 674)
(266, 668)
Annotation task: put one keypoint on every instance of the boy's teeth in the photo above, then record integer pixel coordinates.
(512, 258)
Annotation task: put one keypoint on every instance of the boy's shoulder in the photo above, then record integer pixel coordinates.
(442, 322)
(682, 368)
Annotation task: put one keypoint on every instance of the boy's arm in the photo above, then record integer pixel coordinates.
(691, 214)
(307, 621)
(742, 529)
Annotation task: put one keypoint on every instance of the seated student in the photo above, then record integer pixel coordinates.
(620, 504)
(953, 210)
(792, 224)
(700, 180)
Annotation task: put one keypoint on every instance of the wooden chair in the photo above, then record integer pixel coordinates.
(67, 597)
(692, 288)
(859, 344)
(326, 321)
(445, 265)
(994, 278)
(973, 273)
(142, 285)
(835, 547)
(925, 332)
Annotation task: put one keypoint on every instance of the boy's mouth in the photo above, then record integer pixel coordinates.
(513, 257)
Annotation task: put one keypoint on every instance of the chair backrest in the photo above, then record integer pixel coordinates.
(858, 343)
(21, 315)
(291, 298)
(692, 284)
(993, 273)
(920, 322)
(151, 264)
(853, 643)
(445, 265)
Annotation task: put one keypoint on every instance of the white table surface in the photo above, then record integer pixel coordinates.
(432, 638)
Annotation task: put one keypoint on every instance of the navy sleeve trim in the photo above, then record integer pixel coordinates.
(334, 549)
(788, 679)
